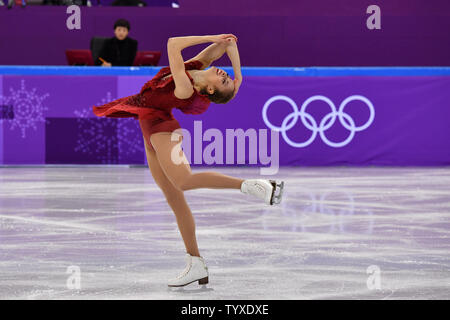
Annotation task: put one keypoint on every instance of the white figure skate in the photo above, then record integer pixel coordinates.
(270, 191)
(196, 270)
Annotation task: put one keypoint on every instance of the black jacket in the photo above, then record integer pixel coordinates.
(118, 52)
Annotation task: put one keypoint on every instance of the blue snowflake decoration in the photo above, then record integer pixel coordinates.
(95, 136)
(27, 108)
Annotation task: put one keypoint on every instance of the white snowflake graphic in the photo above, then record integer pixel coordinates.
(94, 137)
(27, 106)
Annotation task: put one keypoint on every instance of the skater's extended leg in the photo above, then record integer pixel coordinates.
(180, 173)
(177, 202)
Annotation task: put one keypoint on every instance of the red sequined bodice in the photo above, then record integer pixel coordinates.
(157, 99)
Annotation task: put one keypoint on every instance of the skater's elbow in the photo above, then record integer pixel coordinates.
(172, 43)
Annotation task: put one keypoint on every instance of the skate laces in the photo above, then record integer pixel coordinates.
(189, 267)
(256, 189)
(186, 269)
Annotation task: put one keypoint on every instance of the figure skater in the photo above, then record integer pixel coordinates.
(189, 87)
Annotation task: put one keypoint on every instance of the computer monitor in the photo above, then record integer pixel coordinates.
(147, 58)
(79, 57)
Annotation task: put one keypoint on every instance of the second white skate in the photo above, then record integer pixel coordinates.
(196, 270)
(270, 191)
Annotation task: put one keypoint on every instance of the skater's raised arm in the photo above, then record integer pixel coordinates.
(183, 42)
(213, 52)
(183, 86)
(233, 54)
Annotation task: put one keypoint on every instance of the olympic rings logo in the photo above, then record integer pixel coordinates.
(346, 121)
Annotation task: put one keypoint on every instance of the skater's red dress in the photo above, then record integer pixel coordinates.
(154, 103)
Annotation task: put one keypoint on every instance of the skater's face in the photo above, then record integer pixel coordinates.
(218, 78)
(121, 33)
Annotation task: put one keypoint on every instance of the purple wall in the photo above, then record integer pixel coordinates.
(316, 121)
(296, 33)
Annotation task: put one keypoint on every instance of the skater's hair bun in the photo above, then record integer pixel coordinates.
(122, 23)
(218, 96)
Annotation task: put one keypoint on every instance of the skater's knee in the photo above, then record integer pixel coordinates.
(173, 196)
(171, 192)
(183, 183)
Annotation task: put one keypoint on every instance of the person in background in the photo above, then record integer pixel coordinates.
(87, 3)
(129, 3)
(119, 50)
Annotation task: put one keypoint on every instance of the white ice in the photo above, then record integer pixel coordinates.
(334, 225)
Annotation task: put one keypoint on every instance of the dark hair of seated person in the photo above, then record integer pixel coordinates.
(122, 23)
(129, 3)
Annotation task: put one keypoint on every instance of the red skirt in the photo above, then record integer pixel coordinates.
(151, 120)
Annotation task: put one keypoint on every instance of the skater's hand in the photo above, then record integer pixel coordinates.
(106, 64)
(224, 38)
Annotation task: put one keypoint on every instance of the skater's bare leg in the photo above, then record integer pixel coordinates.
(180, 174)
(177, 202)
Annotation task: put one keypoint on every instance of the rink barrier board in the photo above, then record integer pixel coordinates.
(406, 112)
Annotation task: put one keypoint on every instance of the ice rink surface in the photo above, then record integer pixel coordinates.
(340, 233)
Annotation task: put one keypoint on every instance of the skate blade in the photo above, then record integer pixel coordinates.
(202, 281)
(277, 192)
